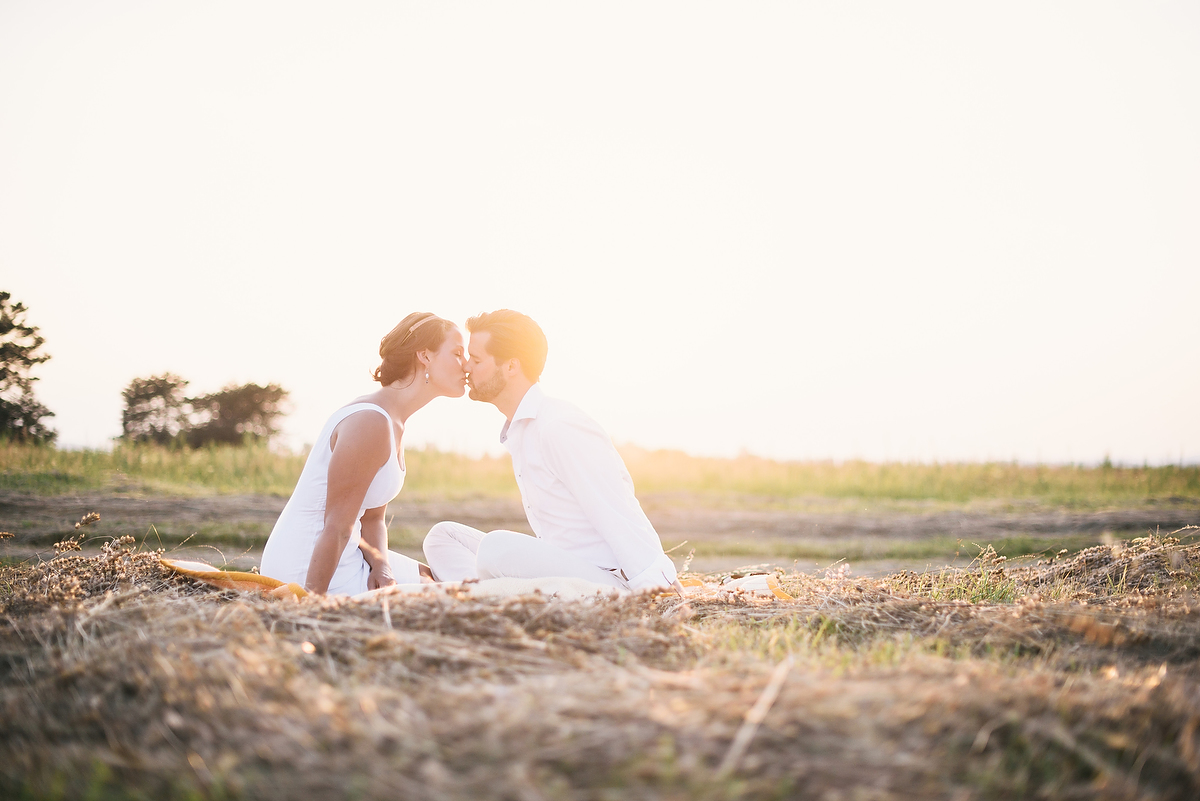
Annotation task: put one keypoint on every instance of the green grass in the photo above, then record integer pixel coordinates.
(957, 482)
(253, 534)
(259, 470)
(223, 469)
(46, 470)
(990, 586)
(876, 548)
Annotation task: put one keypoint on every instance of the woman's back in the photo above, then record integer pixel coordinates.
(290, 547)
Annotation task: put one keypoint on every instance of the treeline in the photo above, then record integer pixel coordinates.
(22, 417)
(156, 408)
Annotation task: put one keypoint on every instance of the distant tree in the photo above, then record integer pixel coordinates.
(20, 413)
(155, 409)
(236, 414)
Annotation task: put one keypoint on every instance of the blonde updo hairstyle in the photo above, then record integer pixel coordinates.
(417, 332)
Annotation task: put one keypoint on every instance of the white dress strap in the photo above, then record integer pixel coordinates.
(354, 408)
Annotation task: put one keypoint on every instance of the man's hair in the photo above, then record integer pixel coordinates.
(513, 336)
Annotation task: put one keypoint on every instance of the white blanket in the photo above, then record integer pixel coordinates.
(567, 589)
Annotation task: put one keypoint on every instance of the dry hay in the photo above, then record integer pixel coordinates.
(119, 681)
(1139, 596)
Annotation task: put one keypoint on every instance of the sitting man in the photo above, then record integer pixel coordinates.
(578, 496)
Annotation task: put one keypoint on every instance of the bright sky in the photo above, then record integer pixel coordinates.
(807, 230)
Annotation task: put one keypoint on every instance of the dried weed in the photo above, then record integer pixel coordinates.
(1073, 678)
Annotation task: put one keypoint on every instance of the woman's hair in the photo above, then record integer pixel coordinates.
(417, 332)
(514, 336)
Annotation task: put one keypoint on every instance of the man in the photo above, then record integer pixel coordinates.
(578, 496)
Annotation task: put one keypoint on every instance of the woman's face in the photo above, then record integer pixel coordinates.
(447, 366)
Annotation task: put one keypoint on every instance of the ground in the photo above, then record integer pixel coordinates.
(725, 532)
(1074, 673)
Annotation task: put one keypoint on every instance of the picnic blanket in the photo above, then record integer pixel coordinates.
(554, 587)
(566, 589)
(234, 580)
(562, 588)
(754, 584)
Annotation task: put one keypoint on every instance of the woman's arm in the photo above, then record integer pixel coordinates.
(374, 545)
(361, 445)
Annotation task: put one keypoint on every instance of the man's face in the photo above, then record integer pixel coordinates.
(485, 378)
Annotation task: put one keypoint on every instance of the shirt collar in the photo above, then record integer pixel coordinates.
(527, 409)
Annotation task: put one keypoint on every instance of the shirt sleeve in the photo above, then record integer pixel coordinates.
(585, 461)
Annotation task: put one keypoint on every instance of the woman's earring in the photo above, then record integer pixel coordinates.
(426, 376)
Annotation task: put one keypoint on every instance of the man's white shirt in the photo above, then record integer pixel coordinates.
(577, 492)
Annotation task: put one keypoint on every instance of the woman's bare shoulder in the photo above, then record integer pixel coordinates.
(363, 430)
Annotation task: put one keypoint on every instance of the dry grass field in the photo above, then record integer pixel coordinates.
(1071, 673)
(1074, 678)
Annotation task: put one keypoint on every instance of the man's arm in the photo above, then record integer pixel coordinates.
(584, 459)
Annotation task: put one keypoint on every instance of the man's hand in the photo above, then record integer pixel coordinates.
(381, 576)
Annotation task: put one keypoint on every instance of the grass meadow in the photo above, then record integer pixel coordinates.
(434, 474)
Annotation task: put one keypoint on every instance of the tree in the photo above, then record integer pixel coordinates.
(20, 413)
(236, 414)
(155, 409)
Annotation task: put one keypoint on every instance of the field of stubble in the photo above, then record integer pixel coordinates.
(1074, 672)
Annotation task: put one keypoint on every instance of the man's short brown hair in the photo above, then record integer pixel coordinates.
(513, 336)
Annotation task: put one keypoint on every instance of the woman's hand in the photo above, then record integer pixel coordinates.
(380, 576)
(361, 445)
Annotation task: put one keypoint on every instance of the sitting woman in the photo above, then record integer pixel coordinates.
(332, 535)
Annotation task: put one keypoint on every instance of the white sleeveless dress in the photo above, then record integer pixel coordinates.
(289, 548)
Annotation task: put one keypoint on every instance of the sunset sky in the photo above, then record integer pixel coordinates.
(916, 231)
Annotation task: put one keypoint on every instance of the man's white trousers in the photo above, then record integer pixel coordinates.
(456, 552)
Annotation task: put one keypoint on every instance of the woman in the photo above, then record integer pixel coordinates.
(332, 535)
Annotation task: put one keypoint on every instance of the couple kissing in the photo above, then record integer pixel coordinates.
(577, 494)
